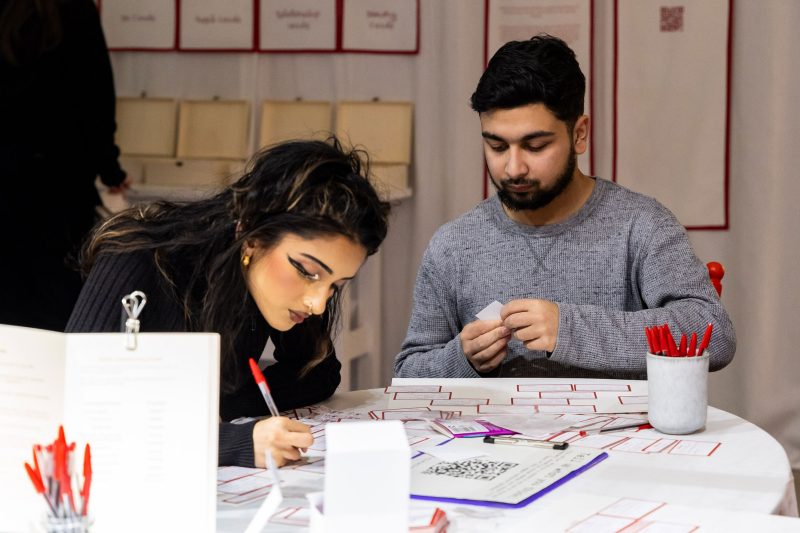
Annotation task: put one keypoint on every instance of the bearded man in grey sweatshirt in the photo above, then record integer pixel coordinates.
(580, 264)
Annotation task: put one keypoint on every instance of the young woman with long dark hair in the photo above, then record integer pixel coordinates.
(266, 258)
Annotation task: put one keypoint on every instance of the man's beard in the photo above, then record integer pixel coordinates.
(538, 197)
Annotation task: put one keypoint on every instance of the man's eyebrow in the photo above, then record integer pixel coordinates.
(317, 261)
(525, 138)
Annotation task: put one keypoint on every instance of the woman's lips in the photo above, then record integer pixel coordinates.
(297, 317)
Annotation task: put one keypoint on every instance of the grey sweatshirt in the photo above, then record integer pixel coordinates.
(621, 263)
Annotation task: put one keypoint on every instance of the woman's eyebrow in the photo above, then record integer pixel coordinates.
(317, 261)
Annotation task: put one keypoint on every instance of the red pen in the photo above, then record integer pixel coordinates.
(664, 343)
(673, 349)
(38, 484)
(656, 340)
(635, 427)
(650, 342)
(437, 515)
(87, 479)
(693, 345)
(682, 346)
(261, 381)
(705, 341)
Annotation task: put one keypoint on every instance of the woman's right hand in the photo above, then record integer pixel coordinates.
(282, 437)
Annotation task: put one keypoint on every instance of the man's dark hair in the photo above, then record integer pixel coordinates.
(541, 70)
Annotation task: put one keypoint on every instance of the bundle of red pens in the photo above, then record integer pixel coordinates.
(53, 476)
(661, 342)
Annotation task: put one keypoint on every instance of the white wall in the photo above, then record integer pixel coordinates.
(759, 251)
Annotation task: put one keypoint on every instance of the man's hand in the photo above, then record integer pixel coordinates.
(534, 323)
(484, 343)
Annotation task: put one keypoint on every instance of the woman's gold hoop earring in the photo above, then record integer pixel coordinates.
(245, 260)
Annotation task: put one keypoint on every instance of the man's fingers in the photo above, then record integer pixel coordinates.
(493, 363)
(475, 329)
(515, 306)
(485, 355)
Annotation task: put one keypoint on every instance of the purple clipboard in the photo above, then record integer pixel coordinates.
(527, 500)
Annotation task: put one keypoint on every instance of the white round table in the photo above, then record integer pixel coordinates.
(749, 472)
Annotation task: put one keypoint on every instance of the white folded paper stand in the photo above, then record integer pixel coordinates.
(367, 479)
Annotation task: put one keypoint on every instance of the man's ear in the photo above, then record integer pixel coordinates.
(580, 134)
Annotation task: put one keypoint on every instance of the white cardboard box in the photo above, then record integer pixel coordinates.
(367, 478)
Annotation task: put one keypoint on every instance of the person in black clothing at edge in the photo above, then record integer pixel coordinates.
(57, 106)
(266, 258)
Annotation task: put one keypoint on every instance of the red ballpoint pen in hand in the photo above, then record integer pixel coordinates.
(261, 381)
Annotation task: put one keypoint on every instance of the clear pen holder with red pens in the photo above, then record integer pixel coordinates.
(65, 493)
(65, 524)
(677, 381)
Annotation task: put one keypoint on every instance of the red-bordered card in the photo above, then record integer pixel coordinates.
(217, 25)
(380, 26)
(672, 66)
(298, 26)
(144, 25)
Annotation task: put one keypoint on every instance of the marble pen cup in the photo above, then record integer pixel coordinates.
(677, 393)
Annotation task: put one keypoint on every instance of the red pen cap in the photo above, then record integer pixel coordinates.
(38, 484)
(257, 373)
(693, 345)
(706, 339)
(87, 461)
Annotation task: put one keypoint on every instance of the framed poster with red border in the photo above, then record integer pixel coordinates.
(298, 26)
(672, 70)
(380, 26)
(570, 20)
(139, 25)
(217, 25)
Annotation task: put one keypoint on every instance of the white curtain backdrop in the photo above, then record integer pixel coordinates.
(759, 252)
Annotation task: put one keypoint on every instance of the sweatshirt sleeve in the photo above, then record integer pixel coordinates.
(432, 348)
(675, 289)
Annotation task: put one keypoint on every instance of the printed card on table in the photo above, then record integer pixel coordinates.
(468, 428)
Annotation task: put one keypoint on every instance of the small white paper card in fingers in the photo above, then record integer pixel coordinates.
(491, 311)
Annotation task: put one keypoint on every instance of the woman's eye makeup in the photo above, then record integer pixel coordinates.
(303, 272)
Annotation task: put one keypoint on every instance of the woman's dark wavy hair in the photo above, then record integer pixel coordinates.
(542, 70)
(306, 188)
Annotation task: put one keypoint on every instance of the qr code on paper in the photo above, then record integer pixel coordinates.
(479, 469)
(672, 18)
